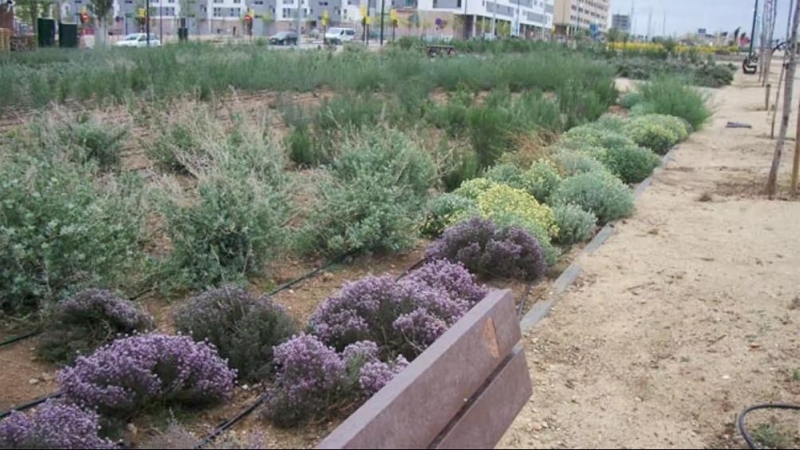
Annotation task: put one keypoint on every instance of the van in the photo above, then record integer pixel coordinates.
(340, 35)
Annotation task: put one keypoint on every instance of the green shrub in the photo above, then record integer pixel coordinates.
(83, 139)
(610, 122)
(372, 197)
(572, 163)
(60, 231)
(444, 210)
(233, 224)
(592, 135)
(472, 189)
(242, 327)
(507, 174)
(651, 133)
(541, 180)
(460, 166)
(175, 139)
(632, 164)
(502, 199)
(600, 193)
(675, 97)
(631, 99)
(575, 225)
(303, 151)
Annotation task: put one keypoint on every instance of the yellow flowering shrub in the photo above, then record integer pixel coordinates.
(502, 200)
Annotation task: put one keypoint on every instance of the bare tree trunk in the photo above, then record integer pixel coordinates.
(763, 39)
(783, 70)
(772, 181)
(101, 33)
(773, 15)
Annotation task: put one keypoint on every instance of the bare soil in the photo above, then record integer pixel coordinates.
(688, 314)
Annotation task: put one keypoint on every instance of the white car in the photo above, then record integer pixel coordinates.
(138, 40)
(340, 35)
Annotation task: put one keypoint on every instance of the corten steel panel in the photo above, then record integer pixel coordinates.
(414, 408)
(485, 421)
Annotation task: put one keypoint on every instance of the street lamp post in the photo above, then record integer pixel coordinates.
(383, 4)
(494, 18)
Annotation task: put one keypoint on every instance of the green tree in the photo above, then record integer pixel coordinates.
(614, 35)
(30, 10)
(102, 13)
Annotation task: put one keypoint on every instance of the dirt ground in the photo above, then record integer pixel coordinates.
(688, 314)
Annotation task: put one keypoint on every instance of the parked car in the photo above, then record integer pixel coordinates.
(138, 40)
(340, 35)
(283, 38)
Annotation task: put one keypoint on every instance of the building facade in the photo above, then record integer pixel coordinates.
(452, 18)
(571, 15)
(621, 22)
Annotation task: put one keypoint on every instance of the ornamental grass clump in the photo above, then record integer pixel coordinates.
(674, 96)
(600, 193)
(242, 327)
(402, 317)
(53, 425)
(132, 374)
(90, 319)
(483, 249)
(313, 381)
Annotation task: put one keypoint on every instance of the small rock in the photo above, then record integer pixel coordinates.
(574, 399)
(47, 377)
(726, 377)
(132, 429)
(245, 387)
(291, 291)
(327, 276)
(639, 399)
(33, 381)
(545, 425)
(536, 427)
(754, 345)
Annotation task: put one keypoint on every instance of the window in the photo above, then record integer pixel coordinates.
(217, 12)
(170, 1)
(237, 2)
(287, 13)
(259, 2)
(236, 12)
(217, 1)
(169, 11)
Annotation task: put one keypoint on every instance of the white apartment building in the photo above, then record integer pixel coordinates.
(525, 18)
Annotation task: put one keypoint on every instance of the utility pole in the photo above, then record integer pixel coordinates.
(147, 20)
(383, 3)
(772, 181)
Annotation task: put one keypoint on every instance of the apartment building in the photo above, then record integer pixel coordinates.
(456, 18)
(621, 22)
(571, 15)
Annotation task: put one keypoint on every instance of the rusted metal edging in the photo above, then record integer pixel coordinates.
(542, 309)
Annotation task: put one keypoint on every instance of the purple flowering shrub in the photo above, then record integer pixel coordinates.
(82, 323)
(483, 249)
(242, 327)
(401, 317)
(52, 425)
(314, 381)
(130, 374)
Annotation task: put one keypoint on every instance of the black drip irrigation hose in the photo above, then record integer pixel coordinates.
(522, 300)
(30, 404)
(229, 423)
(291, 283)
(20, 337)
(740, 422)
(411, 269)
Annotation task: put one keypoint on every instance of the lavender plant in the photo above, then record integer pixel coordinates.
(86, 321)
(53, 425)
(313, 381)
(477, 244)
(401, 317)
(130, 374)
(242, 327)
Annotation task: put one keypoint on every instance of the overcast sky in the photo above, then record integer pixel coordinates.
(685, 16)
